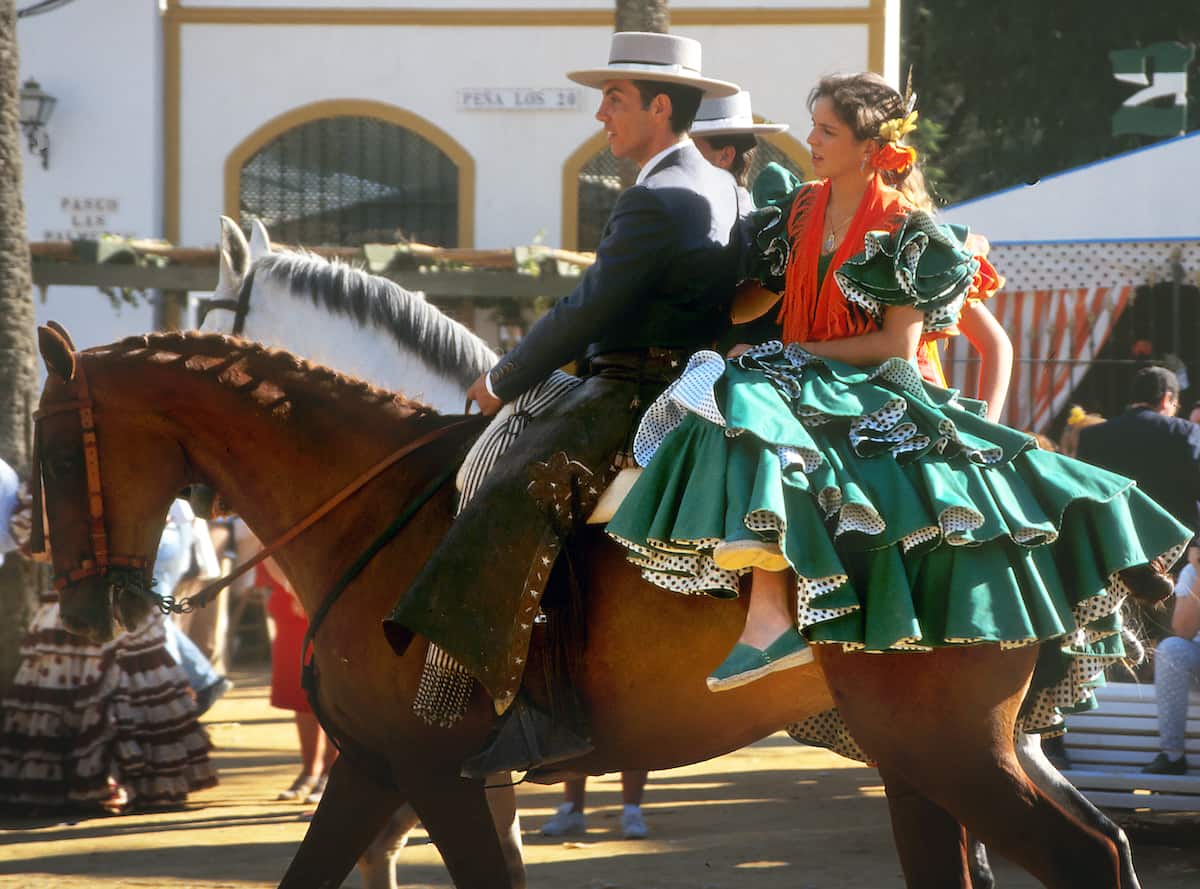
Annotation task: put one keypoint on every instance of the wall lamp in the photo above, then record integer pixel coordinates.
(36, 108)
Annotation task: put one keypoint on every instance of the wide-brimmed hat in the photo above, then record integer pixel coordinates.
(665, 58)
(730, 116)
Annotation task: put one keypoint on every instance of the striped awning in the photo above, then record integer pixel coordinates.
(1061, 302)
(1056, 334)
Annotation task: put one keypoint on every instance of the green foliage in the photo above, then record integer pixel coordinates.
(1011, 92)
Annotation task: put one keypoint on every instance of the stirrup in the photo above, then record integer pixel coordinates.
(524, 739)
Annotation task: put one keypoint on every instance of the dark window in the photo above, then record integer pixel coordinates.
(351, 181)
(604, 177)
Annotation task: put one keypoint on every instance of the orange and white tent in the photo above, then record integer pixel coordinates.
(1073, 248)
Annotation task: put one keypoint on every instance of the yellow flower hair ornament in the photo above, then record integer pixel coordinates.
(892, 156)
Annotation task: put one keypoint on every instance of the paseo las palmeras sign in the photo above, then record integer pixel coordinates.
(86, 219)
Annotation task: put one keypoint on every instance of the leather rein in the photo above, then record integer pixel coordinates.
(102, 559)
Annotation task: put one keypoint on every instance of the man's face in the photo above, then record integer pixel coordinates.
(631, 129)
(718, 157)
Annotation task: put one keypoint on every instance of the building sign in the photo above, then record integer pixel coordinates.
(550, 98)
(86, 219)
(1161, 108)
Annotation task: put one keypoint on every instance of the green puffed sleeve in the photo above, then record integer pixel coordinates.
(922, 264)
(768, 247)
(774, 186)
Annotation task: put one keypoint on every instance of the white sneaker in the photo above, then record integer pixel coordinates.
(566, 822)
(633, 825)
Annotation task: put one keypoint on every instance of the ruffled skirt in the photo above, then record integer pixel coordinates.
(910, 521)
(100, 727)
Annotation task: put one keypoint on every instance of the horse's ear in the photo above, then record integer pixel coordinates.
(260, 241)
(228, 281)
(62, 331)
(57, 352)
(234, 243)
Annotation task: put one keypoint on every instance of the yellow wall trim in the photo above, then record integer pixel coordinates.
(731, 15)
(277, 126)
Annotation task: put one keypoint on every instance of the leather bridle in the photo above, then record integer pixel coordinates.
(102, 559)
(240, 306)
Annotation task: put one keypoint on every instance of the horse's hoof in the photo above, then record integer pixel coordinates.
(1146, 585)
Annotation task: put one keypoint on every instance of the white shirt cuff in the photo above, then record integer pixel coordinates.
(487, 384)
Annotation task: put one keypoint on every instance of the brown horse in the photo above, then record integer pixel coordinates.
(276, 437)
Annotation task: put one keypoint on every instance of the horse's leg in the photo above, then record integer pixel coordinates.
(350, 815)
(455, 813)
(1067, 795)
(502, 801)
(931, 844)
(944, 721)
(377, 865)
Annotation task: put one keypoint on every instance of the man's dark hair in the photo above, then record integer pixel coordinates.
(745, 147)
(685, 101)
(1150, 384)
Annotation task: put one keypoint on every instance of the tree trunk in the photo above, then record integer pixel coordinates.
(643, 15)
(18, 377)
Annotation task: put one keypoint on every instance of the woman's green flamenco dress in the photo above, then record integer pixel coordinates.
(910, 521)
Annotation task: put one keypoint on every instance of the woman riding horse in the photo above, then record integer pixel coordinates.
(897, 516)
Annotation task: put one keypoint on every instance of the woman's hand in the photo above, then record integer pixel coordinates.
(737, 350)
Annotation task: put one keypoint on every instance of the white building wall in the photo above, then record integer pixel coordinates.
(519, 155)
(101, 61)
(111, 65)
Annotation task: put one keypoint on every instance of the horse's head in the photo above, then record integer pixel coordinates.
(107, 475)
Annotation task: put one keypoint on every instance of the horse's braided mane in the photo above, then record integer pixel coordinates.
(262, 363)
(336, 287)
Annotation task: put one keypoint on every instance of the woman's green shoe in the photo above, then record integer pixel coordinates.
(747, 663)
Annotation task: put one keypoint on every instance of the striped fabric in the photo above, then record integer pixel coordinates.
(504, 429)
(1056, 334)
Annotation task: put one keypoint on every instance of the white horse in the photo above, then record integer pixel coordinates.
(336, 315)
(372, 328)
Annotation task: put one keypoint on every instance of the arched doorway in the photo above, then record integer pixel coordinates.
(350, 173)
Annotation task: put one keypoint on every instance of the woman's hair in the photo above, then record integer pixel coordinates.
(864, 102)
(745, 147)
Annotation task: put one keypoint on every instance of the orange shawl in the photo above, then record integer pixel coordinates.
(809, 315)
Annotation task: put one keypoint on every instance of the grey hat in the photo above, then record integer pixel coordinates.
(730, 116)
(665, 58)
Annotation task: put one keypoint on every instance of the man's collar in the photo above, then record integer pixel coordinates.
(648, 167)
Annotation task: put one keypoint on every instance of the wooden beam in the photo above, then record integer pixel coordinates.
(442, 285)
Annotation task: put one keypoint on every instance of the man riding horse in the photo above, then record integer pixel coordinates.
(660, 289)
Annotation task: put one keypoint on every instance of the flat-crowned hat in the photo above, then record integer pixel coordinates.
(730, 116)
(666, 58)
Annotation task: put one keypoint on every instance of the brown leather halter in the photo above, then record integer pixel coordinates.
(102, 559)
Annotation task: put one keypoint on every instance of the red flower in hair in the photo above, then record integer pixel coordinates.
(894, 158)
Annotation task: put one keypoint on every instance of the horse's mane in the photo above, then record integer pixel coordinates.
(336, 287)
(242, 364)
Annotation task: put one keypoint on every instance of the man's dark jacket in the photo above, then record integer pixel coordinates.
(1160, 453)
(664, 275)
(663, 278)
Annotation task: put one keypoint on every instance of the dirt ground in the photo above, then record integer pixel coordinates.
(771, 816)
